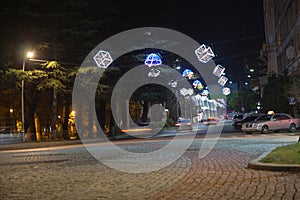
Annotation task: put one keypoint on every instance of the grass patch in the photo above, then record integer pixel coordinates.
(289, 154)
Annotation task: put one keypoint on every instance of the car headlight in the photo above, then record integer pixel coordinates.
(254, 125)
(258, 125)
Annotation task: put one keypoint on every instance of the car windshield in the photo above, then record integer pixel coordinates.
(184, 121)
(238, 117)
(264, 118)
(250, 118)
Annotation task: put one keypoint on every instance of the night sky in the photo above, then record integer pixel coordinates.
(233, 28)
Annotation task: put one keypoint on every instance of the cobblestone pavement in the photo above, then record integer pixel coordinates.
(72, 173)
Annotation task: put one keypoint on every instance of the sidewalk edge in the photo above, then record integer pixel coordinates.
(256, 164)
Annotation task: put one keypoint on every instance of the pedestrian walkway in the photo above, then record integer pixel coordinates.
(74, 174)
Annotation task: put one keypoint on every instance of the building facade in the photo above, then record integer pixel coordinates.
(281, 51)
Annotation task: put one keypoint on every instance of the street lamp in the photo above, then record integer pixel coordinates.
(28, 55)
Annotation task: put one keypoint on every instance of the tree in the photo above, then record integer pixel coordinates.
(233, 102)
(49, 79)
(274, 95)
(293, 90)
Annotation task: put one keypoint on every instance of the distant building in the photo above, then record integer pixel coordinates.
(281, 52)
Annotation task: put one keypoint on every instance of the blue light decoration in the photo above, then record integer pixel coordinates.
(153, 60)
(188, 73)
(205, 93)
(198, 85)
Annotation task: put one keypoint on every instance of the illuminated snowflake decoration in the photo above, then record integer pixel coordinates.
(188, 73)
(173, 84)
(190, 91)
(219, 70)
(226, 91)
(204, 53)
(103, 59)
(222, 81)
(198, 85)
(153, 73)
(184, 91)
(153, 60)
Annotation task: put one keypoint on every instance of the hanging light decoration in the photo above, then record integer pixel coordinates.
(226, 91)
(173, 84)
(205, 92)
(103, 59)
(222, 81)
(219, 70)
(183, 91)
(153, 60)
(153, 73)
(204, 53)
(190, 91)
(198, 85)
(188, 73)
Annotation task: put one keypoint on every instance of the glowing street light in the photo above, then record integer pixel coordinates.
(28, 55)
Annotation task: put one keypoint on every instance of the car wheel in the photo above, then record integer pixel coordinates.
(265, 129)
(292, 128)
(248, 132)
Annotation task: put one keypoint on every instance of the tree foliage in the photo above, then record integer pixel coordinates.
(274, 95)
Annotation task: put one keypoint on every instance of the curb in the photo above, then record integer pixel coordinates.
(255, 164)
(38, 144)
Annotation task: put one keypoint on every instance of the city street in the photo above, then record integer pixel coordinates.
(134, 100)
(70, 172)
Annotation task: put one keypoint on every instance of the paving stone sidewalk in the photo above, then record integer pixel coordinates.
(72, 173)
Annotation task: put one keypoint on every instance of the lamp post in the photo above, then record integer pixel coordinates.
(28, 55)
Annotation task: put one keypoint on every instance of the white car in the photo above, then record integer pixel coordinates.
(276, 123)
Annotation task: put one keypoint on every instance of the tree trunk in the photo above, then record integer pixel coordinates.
(54, 114)
(30, 131)
(65, 117)
(145, 111)
(37, 127)
(101, 114)
(30, 109)
(90, 121)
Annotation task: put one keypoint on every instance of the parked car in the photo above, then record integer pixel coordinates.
(276, 122)
(236, 117)
(210, 121)
(238, 123)
(184, 124)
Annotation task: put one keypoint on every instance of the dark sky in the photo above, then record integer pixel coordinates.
(233, 28)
